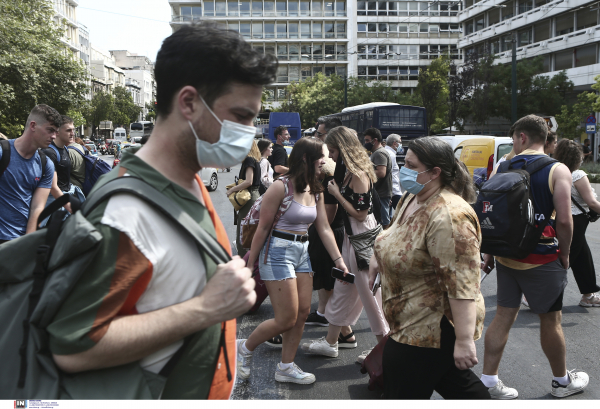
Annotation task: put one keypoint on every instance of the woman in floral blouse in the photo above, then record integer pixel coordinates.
(346, 303)
(429, 264)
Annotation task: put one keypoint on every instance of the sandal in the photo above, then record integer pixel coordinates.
(275, 342)
(344, 343)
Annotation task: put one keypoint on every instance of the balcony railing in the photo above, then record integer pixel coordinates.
(189, 19)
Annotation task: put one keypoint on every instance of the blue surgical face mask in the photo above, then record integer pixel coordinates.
(232, 147)
(408, 180)
(399, 150)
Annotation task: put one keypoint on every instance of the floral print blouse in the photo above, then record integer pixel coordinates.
(359, 201)
(431, 257)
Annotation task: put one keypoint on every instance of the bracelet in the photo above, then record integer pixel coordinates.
(344, 203)
(337, 259)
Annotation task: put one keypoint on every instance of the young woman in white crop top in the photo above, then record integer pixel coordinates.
(286, 269)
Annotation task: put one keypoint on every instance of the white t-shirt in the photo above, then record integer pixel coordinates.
(266, 173)
(396, 188)
(577, 175)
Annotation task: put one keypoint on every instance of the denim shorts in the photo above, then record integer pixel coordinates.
(285, 259)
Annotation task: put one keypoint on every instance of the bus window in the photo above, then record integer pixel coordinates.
(368, 119)
(406, 118)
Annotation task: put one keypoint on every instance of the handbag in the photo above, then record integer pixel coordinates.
(363, 243)
(592, 216)
(373, 365)
(240, 198)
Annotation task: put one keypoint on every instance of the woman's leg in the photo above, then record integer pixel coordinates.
(241, 214)
(379, 325)
(580, 257)
(291, 338)
(284, 299)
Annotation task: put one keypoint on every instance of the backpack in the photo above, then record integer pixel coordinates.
(506, 210)
(94, 168)
(5, 159)
(249, 225)
(38, 272)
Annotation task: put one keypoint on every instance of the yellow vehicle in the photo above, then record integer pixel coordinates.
(481, 154)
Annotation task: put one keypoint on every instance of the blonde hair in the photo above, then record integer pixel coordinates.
(254, 152)
(353, 153)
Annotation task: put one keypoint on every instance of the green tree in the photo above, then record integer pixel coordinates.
(571, 118)
(433, 90)
(151, 107)
(100, 109)
(34, 67)
(125, 110)
(77, 118)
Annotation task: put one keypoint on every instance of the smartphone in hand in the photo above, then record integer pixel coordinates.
(376, 284)
(339, 274)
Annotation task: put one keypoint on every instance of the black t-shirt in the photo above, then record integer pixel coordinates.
(62, 166)
(338, 220)
(249, 162)
(279, 157)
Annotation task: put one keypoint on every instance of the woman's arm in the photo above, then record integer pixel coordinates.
(244, 185)
(585, 190)
(270, 204)
(359, 186)
(327, 237)
(464, 316)
(373, 270)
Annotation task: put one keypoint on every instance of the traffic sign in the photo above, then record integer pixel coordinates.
(590, 128)
(590, 120)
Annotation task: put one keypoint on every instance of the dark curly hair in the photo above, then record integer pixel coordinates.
(44, 113)
(570, 153)
(210, 59)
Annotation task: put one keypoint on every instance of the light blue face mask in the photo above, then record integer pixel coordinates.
(232, 147)
(408, 180)
(400, 149)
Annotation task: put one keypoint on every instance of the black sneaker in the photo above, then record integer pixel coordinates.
(275, 342)
(315, 319)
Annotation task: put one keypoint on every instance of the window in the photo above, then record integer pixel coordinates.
(542, 31)
(234, 26)
(317, 51)
(424, 9)
(494, 16)
(294, 52)
(257, 30)
(585, 55)
(305, 30)
(282, 52)
(244, 8)
(372, 8)
(525, 6)
(317, 9)
(393, 27)
(270, 49)
(372, 27)
(340, 8)
(305, 8)
(469, 27)
(293, 8)
(329, 30)
(382, 27)
(281, 7)
(269, 30)
(269, 8)
(424, 28)
(209, 8)
(381, 8)
(305, 52)
(392, 8)
(220, 9)
(563, 60)
(340, 70)
(233, 8)
(479, 24)
(316, 69)
(282, 73)
(586, 18)
(564, 24)
(306, 73)
(317, 30)
(340, 29)
(294, 73)
(257, 8)
(362, 27)
(329, 71)
(508, 11)
(341, 52)
(293, 30)
(281, 30)
(361, 8)
(413, 9)
(330, 51)
(281, 94)
(403, 9)
(524, 37)
(329, 8)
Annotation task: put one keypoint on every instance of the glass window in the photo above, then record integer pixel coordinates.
(232, 8)
(209, 8)
(434, 9)
(293, 8)
(403, 9)
(413, 28)
(259, 48)
(244, 8)
(524, 37)
(245, 29)
(330, 51)
(317, 69)
(586, 18)
(294, 52)
(269, 8)
(542, 31)
(393, 27)
(269, 30)
(270, 49)
(305, 71)
(329, 8)
(305, 8)
(257, 30)
(424, 28)
(563, 60)
(361, 7)
(585, 55)
(424, 9)
(234, 26)
(329, 30)
(220, 10)
(341, 52)
(372, 27)
(305, 30)
(282, 52)
(564, 24)
(317, 30)
(340, 70)
(508, 11)
(305, 52)
(340, 29)
(281, 7)
(392, 8)
(494, 16)
(403, 28)
(362, 70)
(382, 27)
(382, 8)
(257, 8)
(317, 9)
(340, 8)
(525, 5)
(294, 73)
(317, 51)
(413, 9)
(372, 8)
(281, 94)
(434, 28)
(282, 73)
(281, 30)
(362, 27)
(329, 71)
(469, 27)
(479, 24)
(293, 29)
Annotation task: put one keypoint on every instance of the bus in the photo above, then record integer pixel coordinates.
(410, 122)
(140, 128)
(291, 120)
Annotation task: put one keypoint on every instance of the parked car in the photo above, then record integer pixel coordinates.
(481, 155)
(92, 148)
(209, 178)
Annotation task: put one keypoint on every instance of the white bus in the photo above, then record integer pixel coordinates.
(140, 128)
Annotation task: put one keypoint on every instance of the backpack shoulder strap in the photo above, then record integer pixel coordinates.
(538, 164)
(76, 150)
(55, 149)
(578, 205)
(142, 190)
(5, 159)
(44, 159)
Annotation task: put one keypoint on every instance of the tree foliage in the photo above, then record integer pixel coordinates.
(124, 110)
(34, 67)
(433, 90)
(571, 118)
(100, 109)
(151, 107)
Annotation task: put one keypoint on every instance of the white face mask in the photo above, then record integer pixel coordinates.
(232, 147)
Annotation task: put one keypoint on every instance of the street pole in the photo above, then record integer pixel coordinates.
(346, 91)
(514, 80)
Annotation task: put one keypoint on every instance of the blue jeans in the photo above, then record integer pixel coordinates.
(385, 210)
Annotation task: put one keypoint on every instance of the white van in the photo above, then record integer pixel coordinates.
(120, 134)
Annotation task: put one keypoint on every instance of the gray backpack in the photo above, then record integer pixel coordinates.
(38, 272)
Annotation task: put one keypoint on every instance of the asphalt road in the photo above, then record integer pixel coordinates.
(524, 365)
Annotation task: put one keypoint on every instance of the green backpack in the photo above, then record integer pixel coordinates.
(38, 272)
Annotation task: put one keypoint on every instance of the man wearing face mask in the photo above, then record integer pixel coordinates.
(383, 170)
(279, 157)
(150, 287)
(393, 145)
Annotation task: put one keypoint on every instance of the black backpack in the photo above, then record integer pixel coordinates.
(506, 210)
(5, 159)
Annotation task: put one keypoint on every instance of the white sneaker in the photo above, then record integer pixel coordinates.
(361, 358)
(524, 301)
(243, 361)
(579, 380)
(321, 347)
(591, 301)
(294, 375)
(500, 391)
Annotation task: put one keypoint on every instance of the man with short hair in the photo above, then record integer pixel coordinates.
(383, 170)
(279, 157)
(25, 185)
(150, 287)
(393, 144)
(542, 275)
(587, 151)
(76, 152)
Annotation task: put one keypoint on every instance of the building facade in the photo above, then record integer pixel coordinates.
(66, 18)
(105, 74)
(566, 33)
(147, 88)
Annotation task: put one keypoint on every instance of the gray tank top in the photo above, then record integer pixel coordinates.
(297, 218)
